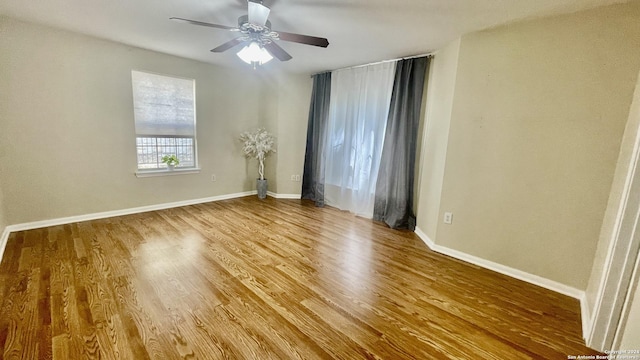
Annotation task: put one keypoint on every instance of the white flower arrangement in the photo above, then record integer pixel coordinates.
(258, 145)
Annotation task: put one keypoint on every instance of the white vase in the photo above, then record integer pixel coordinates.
(171, 167)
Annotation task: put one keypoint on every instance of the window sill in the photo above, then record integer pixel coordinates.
(163, 172)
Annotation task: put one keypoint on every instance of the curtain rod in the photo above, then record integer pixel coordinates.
(377, 62)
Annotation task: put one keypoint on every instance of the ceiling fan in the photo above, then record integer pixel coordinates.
(257, 37)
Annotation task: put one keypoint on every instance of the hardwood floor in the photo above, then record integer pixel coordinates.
(271, 279)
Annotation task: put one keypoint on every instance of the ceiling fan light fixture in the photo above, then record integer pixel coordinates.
(254, 53)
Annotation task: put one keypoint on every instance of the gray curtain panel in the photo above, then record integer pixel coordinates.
(313, 176)
(394, 188)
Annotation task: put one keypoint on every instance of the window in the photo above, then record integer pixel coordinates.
(165, 121)
(355, 130)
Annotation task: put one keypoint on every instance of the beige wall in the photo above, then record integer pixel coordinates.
(440, 90)
(538, 114)
(3, 221)
(285, 100)
(67, 145)
(269, 121)
(285, 104)
(294, 96)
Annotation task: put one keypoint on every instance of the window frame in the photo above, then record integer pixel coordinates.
(164, 171)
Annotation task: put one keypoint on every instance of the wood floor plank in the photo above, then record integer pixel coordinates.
(264, 279)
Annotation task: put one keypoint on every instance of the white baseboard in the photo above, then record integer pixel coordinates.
(136, 210)
(3, 241)
(421, 234)
(514, 273)
(283, 196)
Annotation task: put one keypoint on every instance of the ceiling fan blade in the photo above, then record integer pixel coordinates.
(194, 22)
(229, 44)
(303, 39)
(277, 51)
(258, 13)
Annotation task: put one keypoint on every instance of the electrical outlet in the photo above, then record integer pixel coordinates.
(213, 177)
(448, 218)
(293, 178)
(297, 177)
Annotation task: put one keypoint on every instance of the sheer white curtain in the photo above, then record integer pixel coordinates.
(359, 107)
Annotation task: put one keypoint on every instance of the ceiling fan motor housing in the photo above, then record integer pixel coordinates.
(258, 33)
(244, 19)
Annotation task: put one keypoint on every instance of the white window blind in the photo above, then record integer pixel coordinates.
(165, 123)
(163, 105)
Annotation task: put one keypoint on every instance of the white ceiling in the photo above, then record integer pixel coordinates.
(359, 31)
